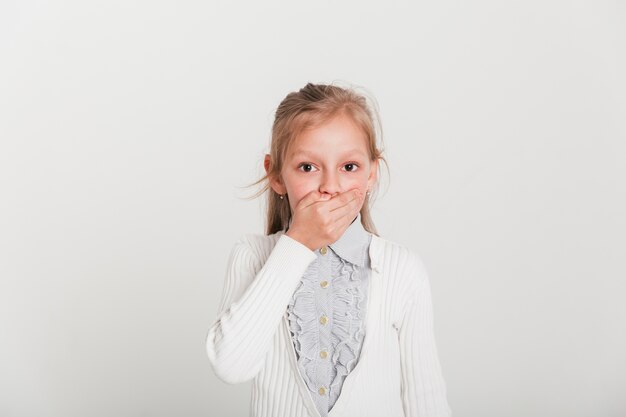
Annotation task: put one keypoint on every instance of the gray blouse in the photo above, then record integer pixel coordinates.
(327, 314)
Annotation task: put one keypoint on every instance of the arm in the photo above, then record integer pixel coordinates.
(239, 339)
(423, 386)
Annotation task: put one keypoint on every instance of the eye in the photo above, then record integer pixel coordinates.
(307, 165)
(353, 166)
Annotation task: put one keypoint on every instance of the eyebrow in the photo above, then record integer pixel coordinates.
(302, 152)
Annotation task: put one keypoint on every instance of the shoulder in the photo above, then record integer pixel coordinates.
(400, 259)
(255, 245)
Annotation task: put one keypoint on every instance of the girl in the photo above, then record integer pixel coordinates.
(324, 315)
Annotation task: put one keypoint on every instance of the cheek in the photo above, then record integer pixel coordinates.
(299, 187)
(360, 183)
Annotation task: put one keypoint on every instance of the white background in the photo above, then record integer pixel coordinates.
(128, 127)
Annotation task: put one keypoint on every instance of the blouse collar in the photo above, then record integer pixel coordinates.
(353, 245)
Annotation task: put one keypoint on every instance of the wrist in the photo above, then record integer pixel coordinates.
(295, 236)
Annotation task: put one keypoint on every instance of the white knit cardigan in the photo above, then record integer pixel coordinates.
(398, 373)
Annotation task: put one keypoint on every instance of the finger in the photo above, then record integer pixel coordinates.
(348, 210)
(344, 219)
(311, 198)
(345, 199)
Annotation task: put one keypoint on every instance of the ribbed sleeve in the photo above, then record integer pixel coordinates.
(423, 386)
(252, 307)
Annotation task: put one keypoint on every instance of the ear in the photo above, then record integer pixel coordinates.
(373, 177)
(275, 182)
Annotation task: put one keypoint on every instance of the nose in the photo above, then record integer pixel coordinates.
(330, 184)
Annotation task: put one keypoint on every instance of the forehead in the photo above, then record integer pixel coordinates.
(339, 136)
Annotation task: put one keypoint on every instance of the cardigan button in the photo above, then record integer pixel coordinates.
(322, 391)
(323, 319)
(323, 250)
(323, 354)
(324, 284)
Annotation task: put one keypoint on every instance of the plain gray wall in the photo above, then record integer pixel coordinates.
(127, 128)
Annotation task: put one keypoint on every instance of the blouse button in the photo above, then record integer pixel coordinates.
(324, 284)
(323, 319)
(323, 354)
(322, 391)
(323, 250)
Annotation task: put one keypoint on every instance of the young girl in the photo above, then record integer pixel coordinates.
(324, 315)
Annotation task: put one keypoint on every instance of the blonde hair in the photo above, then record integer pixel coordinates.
(309, 107)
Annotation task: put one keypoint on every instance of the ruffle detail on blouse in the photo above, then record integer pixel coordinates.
(303, 323)
(348, 330)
